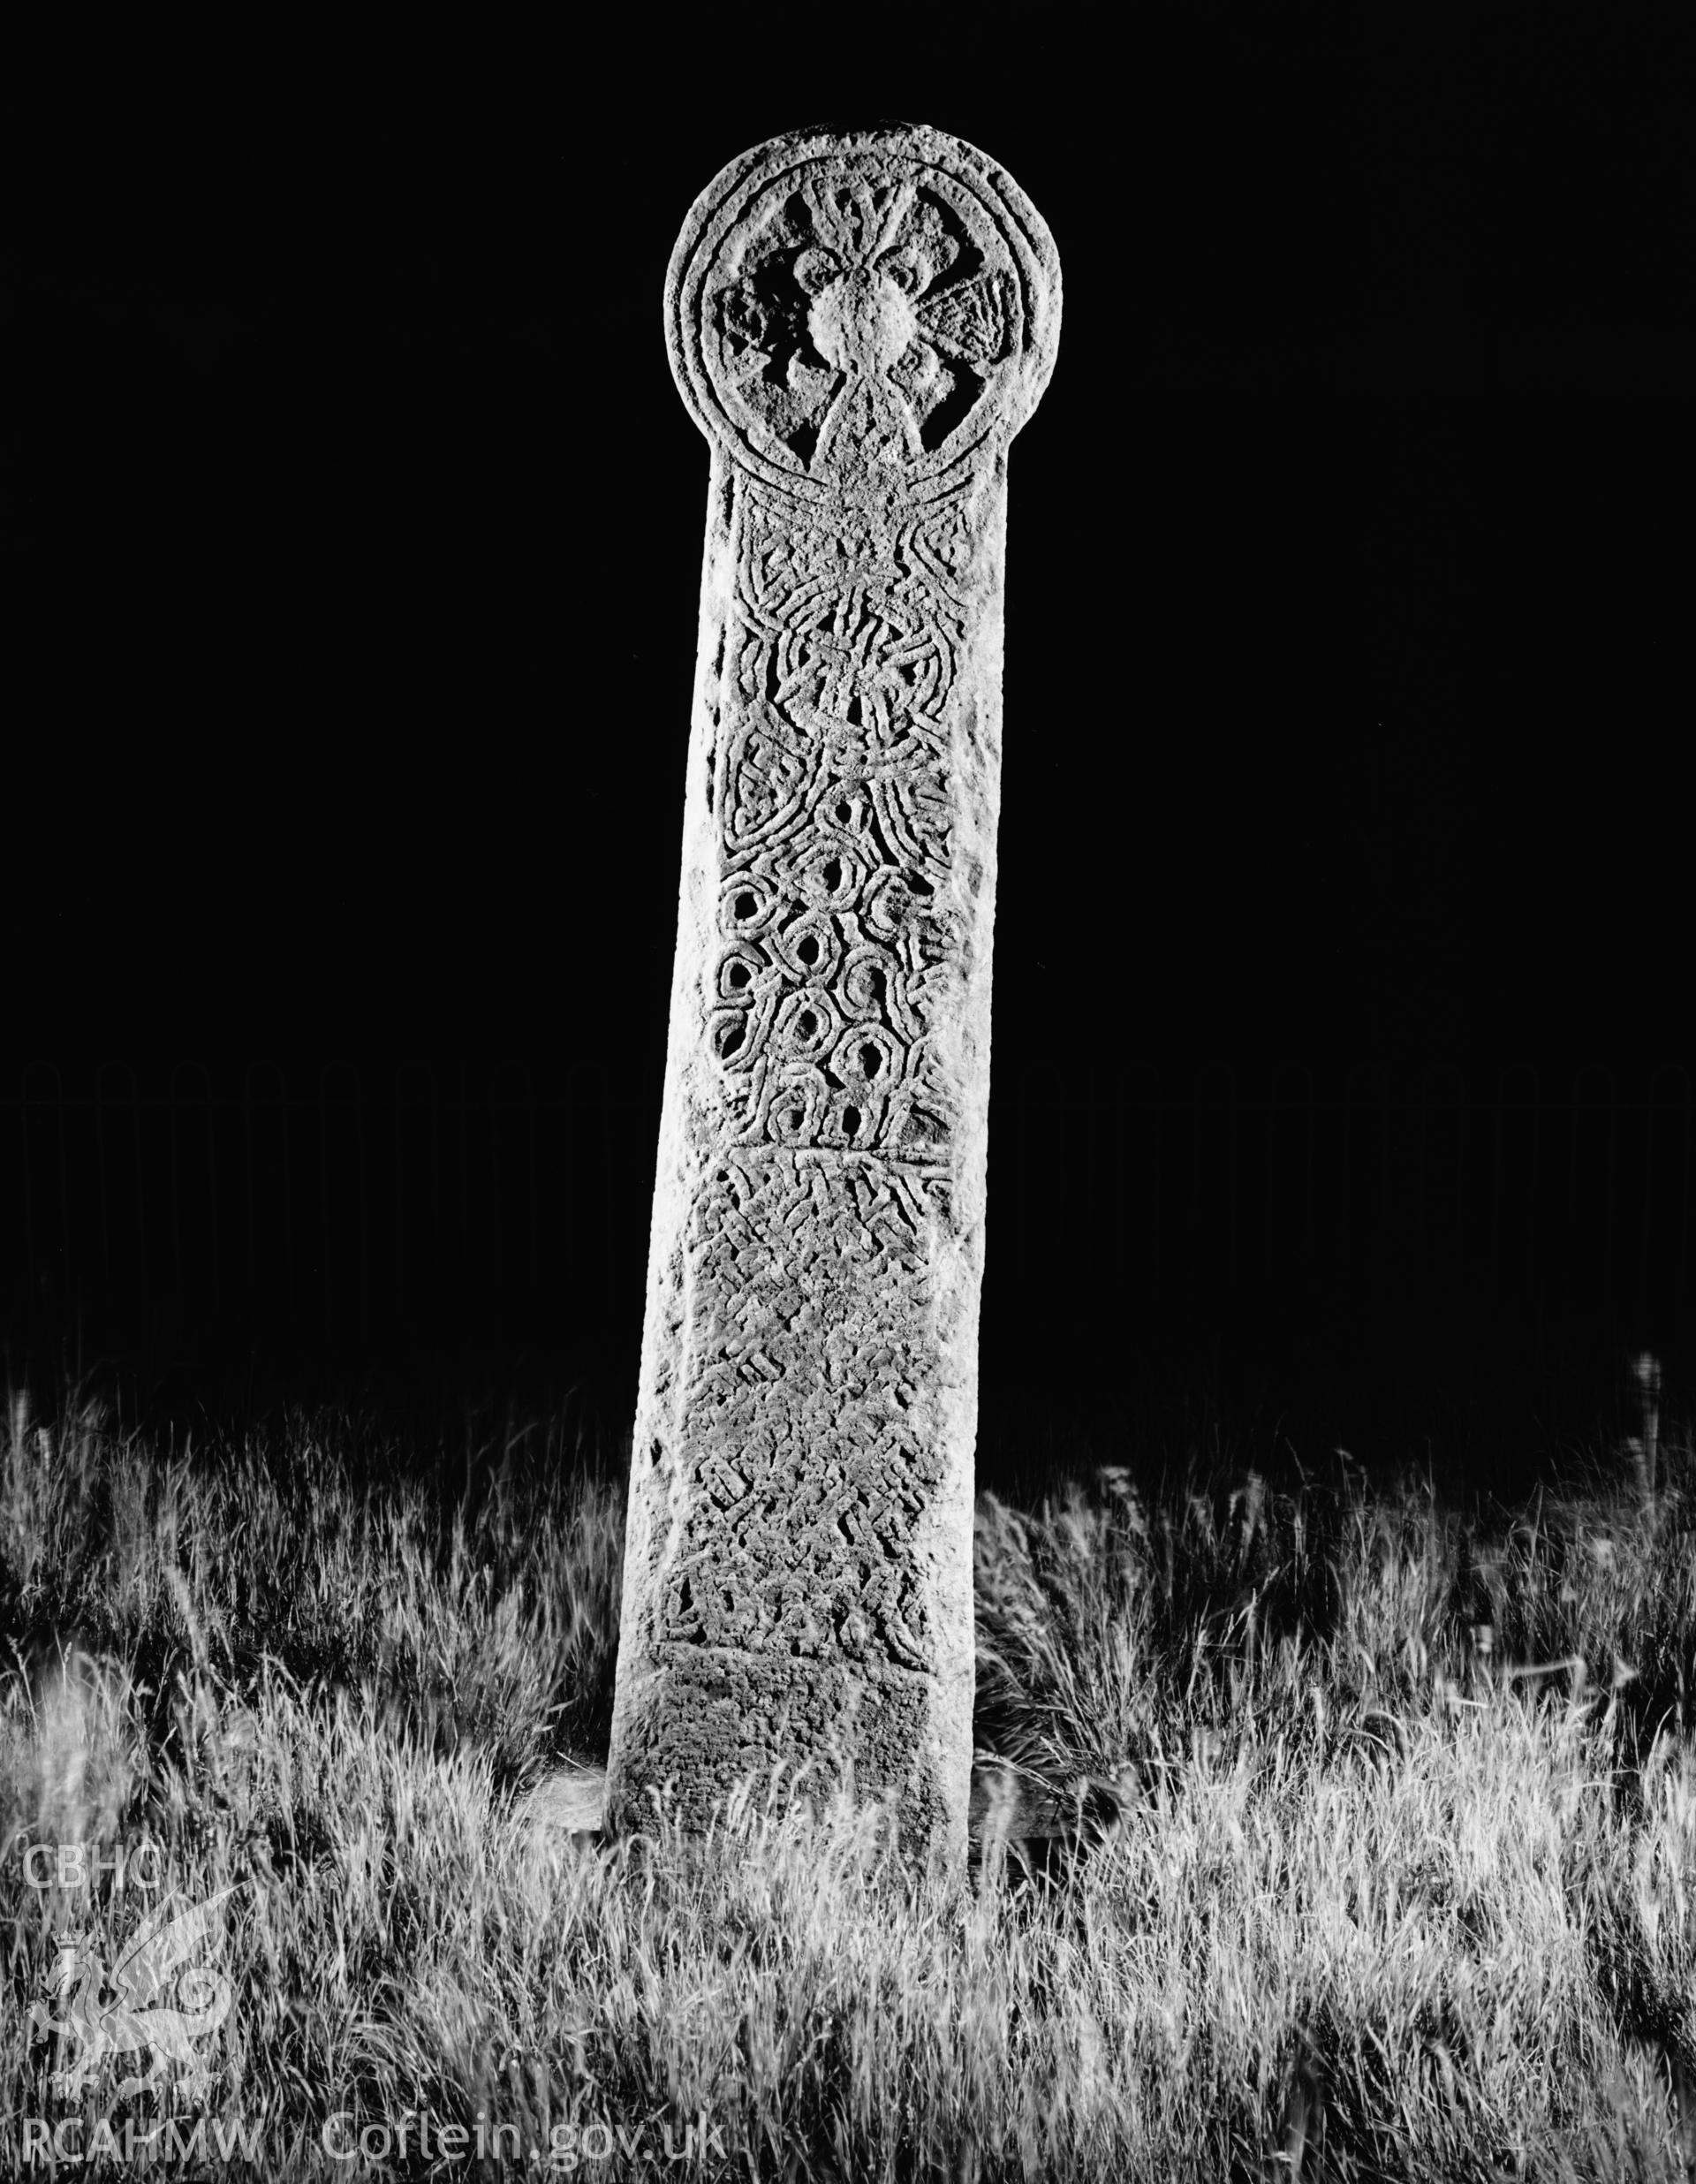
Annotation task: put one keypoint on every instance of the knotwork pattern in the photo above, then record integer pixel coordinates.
(859, 325)
(839, 936)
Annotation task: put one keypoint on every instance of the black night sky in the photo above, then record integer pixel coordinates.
(352, 528)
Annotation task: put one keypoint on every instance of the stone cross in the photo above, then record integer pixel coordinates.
(859, 324)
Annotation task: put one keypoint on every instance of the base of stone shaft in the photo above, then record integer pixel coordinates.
(797, 1579)
(688, 1737)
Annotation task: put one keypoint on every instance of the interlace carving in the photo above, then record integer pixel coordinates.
(859, 325)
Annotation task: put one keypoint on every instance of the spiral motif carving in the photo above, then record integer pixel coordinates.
(859, 325)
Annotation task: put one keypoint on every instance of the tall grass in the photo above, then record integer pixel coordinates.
(1321, 1829)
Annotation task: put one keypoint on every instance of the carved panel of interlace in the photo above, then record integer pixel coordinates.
(859, 325)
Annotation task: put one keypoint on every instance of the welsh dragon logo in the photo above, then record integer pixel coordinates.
(91, 2031)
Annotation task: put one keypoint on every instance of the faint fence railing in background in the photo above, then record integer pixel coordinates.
(348, 1203)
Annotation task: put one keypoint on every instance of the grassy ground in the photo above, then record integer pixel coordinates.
(1386, 1864)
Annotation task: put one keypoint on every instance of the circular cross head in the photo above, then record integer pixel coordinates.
(874, 311)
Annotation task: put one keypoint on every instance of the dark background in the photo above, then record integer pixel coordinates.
(1341, 1022)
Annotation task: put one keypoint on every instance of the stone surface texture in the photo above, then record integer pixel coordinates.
(858, 323)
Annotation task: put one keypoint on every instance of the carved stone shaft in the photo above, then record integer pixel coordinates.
(859, 324)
